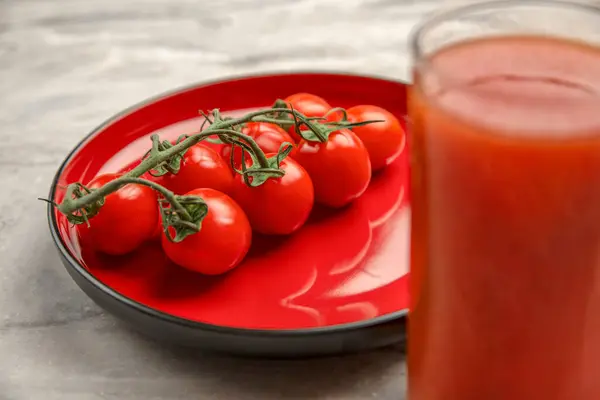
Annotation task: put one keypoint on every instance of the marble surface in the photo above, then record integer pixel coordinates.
(67, 65)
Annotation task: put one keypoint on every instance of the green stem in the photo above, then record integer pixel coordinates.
(274, 121)
(70, 205)
(158, 154)
(318, 134)
(260, 155)
(157, 158)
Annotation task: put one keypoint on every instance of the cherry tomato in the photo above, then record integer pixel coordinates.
(384, 140)
(278, 206)
(222, 242)
(308, 104)
(157, 234)
(201, 167)
(127, 218)
(339, 168)
(215, 146)
(269, 138)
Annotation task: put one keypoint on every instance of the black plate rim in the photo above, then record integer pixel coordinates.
(154, 313)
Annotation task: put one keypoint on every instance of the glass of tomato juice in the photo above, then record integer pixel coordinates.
(504, 116)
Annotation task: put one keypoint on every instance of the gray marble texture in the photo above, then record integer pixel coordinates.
(67, 65)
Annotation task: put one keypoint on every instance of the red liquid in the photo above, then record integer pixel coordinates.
(505, 275)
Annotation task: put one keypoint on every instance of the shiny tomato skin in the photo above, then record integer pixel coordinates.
(201, 167)
(339, 168)
(308, 104)
(127, 219)
(269, 138)
(159, 228)
(222, 242)
(279, 206)
(384, 140)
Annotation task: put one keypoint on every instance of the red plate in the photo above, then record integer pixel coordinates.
(344, 270)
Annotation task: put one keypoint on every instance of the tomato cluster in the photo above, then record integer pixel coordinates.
(332, 172)
(341, 167)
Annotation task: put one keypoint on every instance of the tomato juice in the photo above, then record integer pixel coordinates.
(505, 186)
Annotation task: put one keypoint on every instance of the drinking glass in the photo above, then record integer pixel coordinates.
(504, 136)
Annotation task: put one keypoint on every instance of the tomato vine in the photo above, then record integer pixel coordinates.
(185, 213)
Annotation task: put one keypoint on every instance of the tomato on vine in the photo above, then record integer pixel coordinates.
(384, 140)
(201, 167)
(269, 138)
(127, 218)
(207, 231)
(223, 240)
(309, 105)
(339, 168)
(280, 206)
(157, 234)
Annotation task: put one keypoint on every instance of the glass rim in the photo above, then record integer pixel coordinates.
(437, 19)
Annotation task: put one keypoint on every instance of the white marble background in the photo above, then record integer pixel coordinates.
(67, 65)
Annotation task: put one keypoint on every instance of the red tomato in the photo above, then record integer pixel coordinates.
(269, 138)
(308, 104)
(223, 241)
(157, 234)
(279, 206)
(127, 218)
(340, 168)
(384, 140)
(215, 146)
(201, 167)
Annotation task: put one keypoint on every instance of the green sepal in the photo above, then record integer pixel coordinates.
(197, 210)
(82, 216)
(171, 165)
(261, 175)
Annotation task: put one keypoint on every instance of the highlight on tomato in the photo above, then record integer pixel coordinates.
(221, 243)
(127, 218)
(201, 167)
(206, 230)
(384, 140)
(269, 137)
(339, 168)
(309, 105)
(280, 206)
